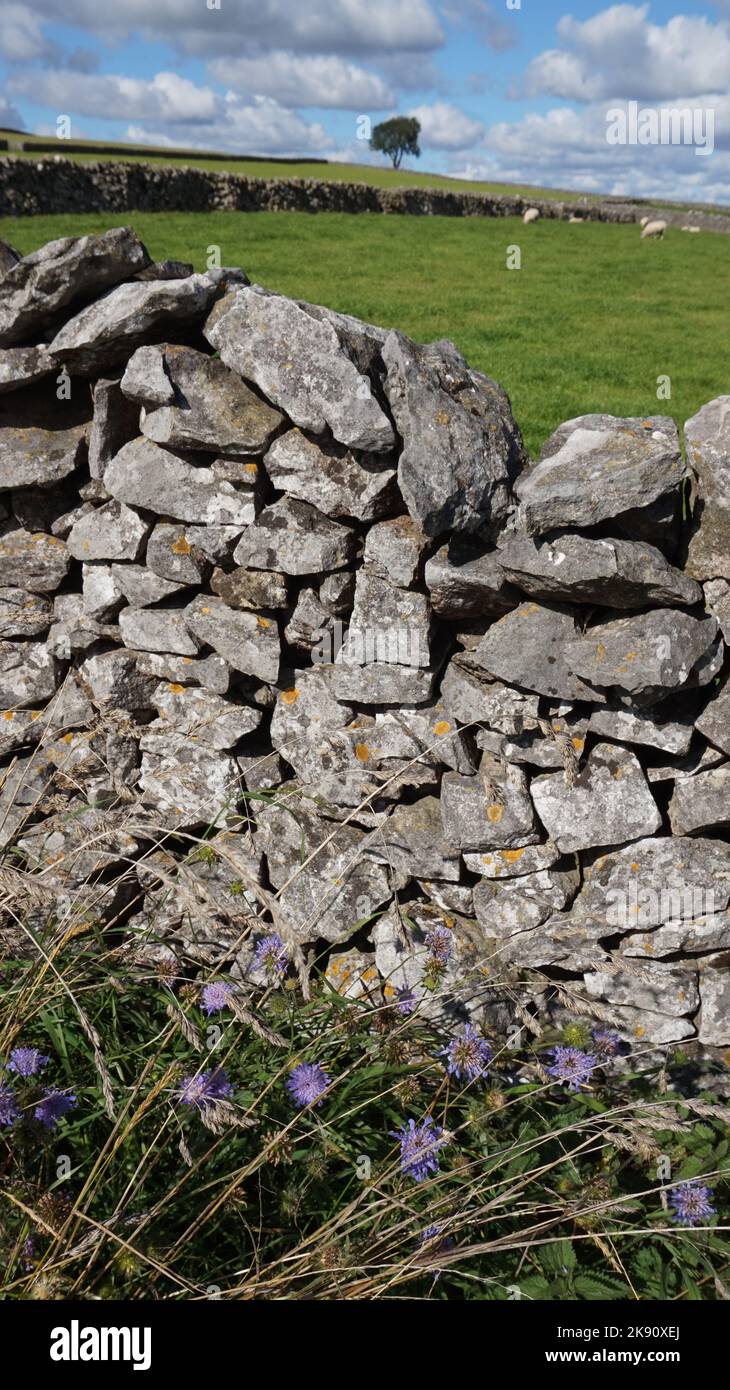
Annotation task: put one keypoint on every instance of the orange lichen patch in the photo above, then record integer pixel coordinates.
(362, 752)
(634, 867)
(263, 622)
(335, 967)
(390, 993)
(181, 546)
(250, 468)
(35, 714)
(175, 688)
(67, 738)
(205, 610)
(578, 744)
(648, 948)
(442, 727)
(512, 855)
(9, 714)
(600, 652)
(486, 859)
(369, 974)
(288, 697)
(484, 970)
(441, 417)
(495, 813)
(639, 1031)
(630, 656)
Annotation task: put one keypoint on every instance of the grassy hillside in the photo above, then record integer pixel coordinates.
(589, 323)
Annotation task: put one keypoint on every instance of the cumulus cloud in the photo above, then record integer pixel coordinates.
(445, 127)
(620, 53)
(21, 37)
(319, 26)
(259, 126)
(483, 18)
(324, 81)
(165, 97)
(10, 117)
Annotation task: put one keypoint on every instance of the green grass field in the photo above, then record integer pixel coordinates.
(588, 324)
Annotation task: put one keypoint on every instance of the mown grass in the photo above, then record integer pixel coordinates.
(589, 322)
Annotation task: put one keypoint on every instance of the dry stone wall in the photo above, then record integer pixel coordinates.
(58, 185)
(287, 580)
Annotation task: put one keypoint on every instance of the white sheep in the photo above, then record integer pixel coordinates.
(695, 229)
(576, 219)
(654, 229)
(643, 221)
(531, 215)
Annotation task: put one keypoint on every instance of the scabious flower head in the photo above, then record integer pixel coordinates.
(573, 1067)
(205, 1089)
(691, 1202)
(9, 1111)
(53, 1107)
(606, 1043)
(26, 1061)
(419, 1148)
(439, 942)
(307, 1083)
(270, 955)
(215, 996)
(406, 1002)
(467, 1056)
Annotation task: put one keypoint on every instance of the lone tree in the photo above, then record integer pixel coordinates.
(397, 137)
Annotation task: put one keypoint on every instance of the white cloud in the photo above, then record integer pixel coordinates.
(10, 117)
(620, 53)
(166, 97)
(317, 26)
(21, 37)
(260, 126)
(484, 19)
(324, 81)
(444, 127)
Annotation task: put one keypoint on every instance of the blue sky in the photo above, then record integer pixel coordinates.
(503, 90)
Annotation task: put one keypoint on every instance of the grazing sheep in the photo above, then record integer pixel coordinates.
(695, 229)
(643, 221)
(654, 229)
(576, 219)
(531, 215)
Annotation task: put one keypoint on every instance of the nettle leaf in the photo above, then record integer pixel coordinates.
(596, 1287)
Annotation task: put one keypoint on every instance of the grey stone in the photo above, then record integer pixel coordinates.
(681, 936)
(465, 993)
(202, 716)
(106, 333)
(145, 380)
(608, 803)
(8, 257)
(597, 468)
(157, 630)
(714, 721)
(114, 679)
(505, 907)
(115, 423)
(653, 985)
(387, 624)
(23, 614)
(35, 562)
(647, 656)
(513, 863)
(292, 537)
(188, 783)
(247, 641)
(210, 672)
(307, 708)
(461, 446)
(394, 550)
(412, 842)
(331, 477)
(64, 524)
(165, 270)
(337, 593)
(714, 1024)
(330, 894)
(28, 674)
(528, 648)
(262, 769)
(688, 766)
(33, 456)
(470, 696)
(617, 573)
(352, 975)
(102, 597)
(84, 842)
(308, 623)
(184, 553)
(382, 682)
(251, 589)
(561, 941)
(717, 601)
(38, 287)
(145, 475)
(271, 341)
(707, 437)
(490, 811)
(465, 581)
(112, 532)
(701, 802)
(22, 367)
(213, 408)
(74, 630)
(638, 726)
(41, 508)
(141, 586)
(456, 898)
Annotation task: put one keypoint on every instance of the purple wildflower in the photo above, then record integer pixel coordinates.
(419, 1146)
(307, 1083)
(215, 996)
(467, 1056)
(439, 942)
(406, 1001)
(606, 1043)
(436, 1247)
(26, 1061)
(573, 1066)
(205, 1089)
(691, 1202)
(53, 1107)
(271, 956)
(9, 1111)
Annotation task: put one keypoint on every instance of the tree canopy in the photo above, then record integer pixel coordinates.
(397, 137)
